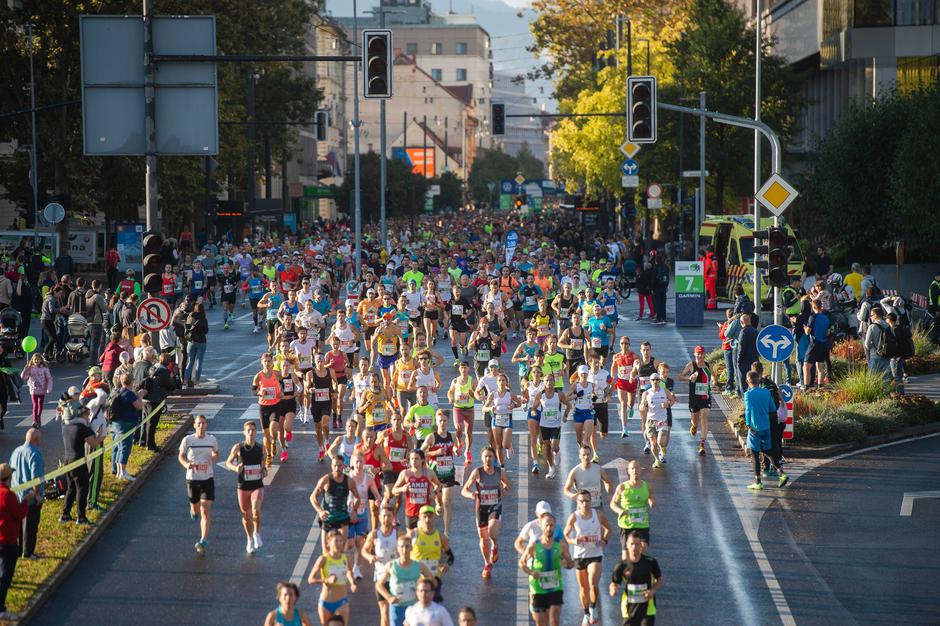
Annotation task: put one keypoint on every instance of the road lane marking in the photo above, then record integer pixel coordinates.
(522, 516)
(907, 502)
(45, 417)
(209, 409)
(306, 554)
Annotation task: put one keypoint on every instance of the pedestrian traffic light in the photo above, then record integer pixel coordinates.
(641, 109)
(777, 258)
(377, 63)
(321, 121)
(499, 118)
(153, 263)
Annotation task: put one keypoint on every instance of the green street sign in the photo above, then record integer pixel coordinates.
(317, 191)
(429, 205)
(689, 277)
(505, 201)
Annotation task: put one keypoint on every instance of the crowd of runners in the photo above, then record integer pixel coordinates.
(357, 357)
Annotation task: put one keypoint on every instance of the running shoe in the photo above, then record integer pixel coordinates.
(624, 434)
(646, 449)
(662, 458)
(321, 455)
(657, 464)
(551, 473)
(357, 573)
(701, 448)
(592, 613)
(784, 479)
(256, 537)
(468, 458)
(283, 456)
(692, 430)
(290, 435)
(494, 553)
(249, 547)
(586, 620)
(225, 327)
(596, 458)
(456, 362)
(201, 547)
(487, 571)
(756, 486)
(255, 330)
(535, 468)
(193, 516)
(508, 453)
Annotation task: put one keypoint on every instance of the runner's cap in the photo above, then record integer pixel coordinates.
(493, 363)
(542, 507)
(583, 369)
(427, 509)
(700, 349)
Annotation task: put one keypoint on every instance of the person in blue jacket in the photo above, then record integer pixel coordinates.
(759, 406)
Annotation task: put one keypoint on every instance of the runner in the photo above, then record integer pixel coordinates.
(303, 349)
(433, 306)
(533, 414)
(254, 286)
(376, 462)
(345, 444)
(198, 454)
(291, 384)
(460, 395)
(230, 283)
(643, 368)
(420, 417)
(387, 343)
(548, 403)
(501, 403)
(600, 379)
(632, 501)
(699, 376)
(641, 579)
(342, 371)
(542, 561)
(320, 385)
(266, 385)
(587, 531)
(581, 393)
(418, 485)
(376, 405)
(653, 404)
(485, 346)
(247, 460)
(439, 448)
(625, 382)
(599, 330)
(425, 376)
(379, 549)
(486, 485)
(525, 355)
(287, 613)
(431, 548)
(572, 341)
(542, 322)
(271, 303)
(587, 476)
(333, 570)
(398, 584)
(564, 305)
(405, 394)
(396, 442)
(368, 492)
(361, 382)
(335, 488)
(459, 311)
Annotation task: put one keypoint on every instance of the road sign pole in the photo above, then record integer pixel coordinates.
(383, 172)
(150, 129)
(701, 156)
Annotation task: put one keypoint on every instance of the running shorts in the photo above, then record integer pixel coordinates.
(200, 490)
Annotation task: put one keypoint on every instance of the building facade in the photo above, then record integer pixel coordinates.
(520, 131)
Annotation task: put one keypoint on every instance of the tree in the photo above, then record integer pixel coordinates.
(492, 166)
(531, 167)
(451, 195)
(405, 189)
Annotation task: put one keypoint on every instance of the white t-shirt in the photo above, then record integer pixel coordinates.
(304, 352)
(432, 615)
(199, 453)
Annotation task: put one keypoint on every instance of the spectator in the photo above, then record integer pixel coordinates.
(39, 378)
(125, 367)
(111, 260)
(878, 361)
(6, 291)
(196, 330)
(747, 351)
(145, 342)
(12, 514)
(22, 301)
(51, 307)
(742, 303)
(818, 328)
(905, 344)
(129, 284)
(854, 280)
(76, 299)
(821, 264)
(27, 463)
(125, 411)
(160, 384)
(726, 351)
(868, 281)
(426, 611)
(95, 311)
(140, 372)
(129, 313)
(660, 285)
(97, 404)
(644, 289)
(76, 434)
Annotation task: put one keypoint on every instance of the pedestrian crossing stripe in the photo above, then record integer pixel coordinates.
(209, 409)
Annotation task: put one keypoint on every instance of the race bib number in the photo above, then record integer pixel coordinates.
(338, 570)
(576, 344)
(268, 393)
(489, 497)
(635, 594)
(483, 355)
(388, 349)
(595, 496)
(701, 389)
(321, 395)
(370, 317)
(418, 493)
(396, 454)
(638, 515)
(304, 359)
(463, 397)
(288, 385)
(530, 300)
(609, 309)
(623, 372)
(445, 463)
(197, 284)
(644, 381)
(379, 416)
(425, 422)
(502, 420)
(403, 376)
(589, 541)
(457, 309)
(252, 472)
(346, 343)
(199, 467)
(596, 342)
(228, 288)
(548, 580)
(550, 415)
(407, 592)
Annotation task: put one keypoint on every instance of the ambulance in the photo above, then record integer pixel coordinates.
(732, 238)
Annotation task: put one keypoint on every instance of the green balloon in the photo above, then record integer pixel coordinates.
(29, 343)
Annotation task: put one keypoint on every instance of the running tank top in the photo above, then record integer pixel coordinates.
(337, 567)
(362, 488)
(427, 550)
(287, 387)
(347, 447)
(576, 350)
(427, 380)
(587, 532)
(283, 621)
(387, 346)
(443, 464)
(702, 387)
(395, 450)
(590, 480)
(635, 504)
(484, 349)
(489, 488)
(373, 462)
(418, 494)
(250, 476)
(347, 341)
(321, 387)
(336, 500)
(583, 396)
(551, 411)
(645, 370)
(533, 390)
(385, 548)
(270, 389)
(463, 398)
(502, 413)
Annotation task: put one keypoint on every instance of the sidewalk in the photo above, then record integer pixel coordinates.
(925, 385)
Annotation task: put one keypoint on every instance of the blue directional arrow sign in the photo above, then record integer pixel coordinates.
(630, 167)
(775, 343)
(786, 393)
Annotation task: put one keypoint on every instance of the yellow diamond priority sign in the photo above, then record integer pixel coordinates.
(629, 149)
(520, 179)
(776, 194)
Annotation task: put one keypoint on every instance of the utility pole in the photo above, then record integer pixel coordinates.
(701, 166)
(424, 158)
(33, 158)
(150, 121)
(250, 138)
(757, 53)
(383, 173)
(445, 143)
(356, 124)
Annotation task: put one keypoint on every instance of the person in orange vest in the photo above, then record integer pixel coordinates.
(710, 265)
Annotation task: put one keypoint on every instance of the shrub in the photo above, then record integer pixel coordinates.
(849, 350)
(927, 364)
(715, 357)
(877, 418)
(808, 404)
(862, 386)
(917, 410)
(923, 346)
(827, 429)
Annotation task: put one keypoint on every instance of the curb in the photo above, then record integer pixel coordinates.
(827, 452)
(55, 581)
(195, 391)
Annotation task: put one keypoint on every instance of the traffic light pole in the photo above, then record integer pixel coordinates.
(357, 123)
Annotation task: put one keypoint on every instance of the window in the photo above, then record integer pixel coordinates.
(461, 47)
(437, 48)
(436, 74)
(411, 48)
(461, 73)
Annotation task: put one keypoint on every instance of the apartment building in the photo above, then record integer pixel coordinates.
(520, 131)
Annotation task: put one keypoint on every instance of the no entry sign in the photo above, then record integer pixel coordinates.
(153, 314)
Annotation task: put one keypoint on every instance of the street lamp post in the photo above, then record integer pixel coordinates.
(647, 42)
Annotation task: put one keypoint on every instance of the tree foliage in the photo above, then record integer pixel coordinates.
(491, 166)
(405, 189)
(870, 182)
(115, 184)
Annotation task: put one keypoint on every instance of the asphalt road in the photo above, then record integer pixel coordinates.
(146, 571)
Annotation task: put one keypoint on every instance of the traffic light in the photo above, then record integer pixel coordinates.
(153, 263)
(499, 118)
(519, 201)
(321, 120)
(777, 258)
(641, 109)
(377, 63)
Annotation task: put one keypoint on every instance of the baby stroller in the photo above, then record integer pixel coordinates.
(10, 322)
(79, 335)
